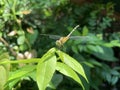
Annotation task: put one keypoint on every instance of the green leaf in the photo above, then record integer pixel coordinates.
(71, 62)
(33, 60)
(50, 85)
(23, 47)
(114, 80)
(106, 54)
(1, 34)
(113, 43)
(94, 40)
(20, 32)
(22, 72)
(108, 77)
(32, 75)
(12, 83)
(85, 31)
(48, 55)
(21, 39)
(4, 68)
(45, 71)
(32, 37)
(91, 47)
(3, 77)
(4, 56)
(75, 49)
(94, 62)
(95, 48)
(18, 74)
(66, 70)
(57, 79)
(114, 72)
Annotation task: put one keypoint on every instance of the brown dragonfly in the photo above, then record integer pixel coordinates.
(61, 40)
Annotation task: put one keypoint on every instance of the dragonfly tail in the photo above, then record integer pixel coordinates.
(72, 30)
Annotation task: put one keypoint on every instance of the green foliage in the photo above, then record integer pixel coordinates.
(45, 72)
(45, 69)
(23, 22)
(72, 63)
(4, 69)
(106, 54)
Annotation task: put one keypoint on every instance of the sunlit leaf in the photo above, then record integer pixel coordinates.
(66, 70)
(4, 69)
(18, 74)
(12, 83)
(3, 77)
(33, 60)
(71, 62)
(22, 72)
(4, 56)
(20, 32)
(21, 39)
(85, 31)
(45, 71)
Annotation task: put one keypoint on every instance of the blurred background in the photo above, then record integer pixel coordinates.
(23, 21)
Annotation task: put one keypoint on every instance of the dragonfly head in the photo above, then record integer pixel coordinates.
(58, 43)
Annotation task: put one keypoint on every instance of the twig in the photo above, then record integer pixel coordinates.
(7, 45)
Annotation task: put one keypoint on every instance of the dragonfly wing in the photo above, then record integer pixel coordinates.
(79, 37)
(52, 36)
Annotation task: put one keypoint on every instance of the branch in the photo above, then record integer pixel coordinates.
(7, 45)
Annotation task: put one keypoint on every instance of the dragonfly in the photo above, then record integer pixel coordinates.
(61, 40)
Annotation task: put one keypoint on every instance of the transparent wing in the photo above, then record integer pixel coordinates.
(71, 37)
(79, 37)
(52, 36)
